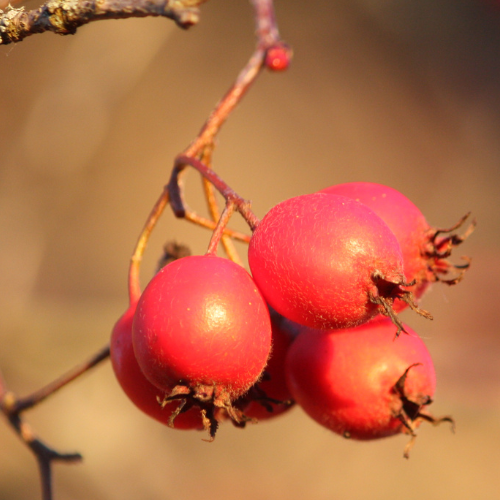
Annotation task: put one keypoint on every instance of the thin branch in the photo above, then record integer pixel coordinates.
(201, 149)
(65, 16)
(213, 209)
(43, 453)
(191, 216)
(265, 20)
(267, 36)
(12, 406)
(227, 104)
(176, 200)
(219, 230)
(134, 286)
(226, 239)
(202, 146)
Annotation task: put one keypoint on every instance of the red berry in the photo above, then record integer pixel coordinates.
(202, 332)
(424, 250)
(140, 391)
(326, 261)
(278, 57)
(361, 382)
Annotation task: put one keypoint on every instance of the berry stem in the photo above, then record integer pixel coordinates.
(211, 224)
(202, 146)
(219, 230)
(176, 198)
(213, 209)
(199, 155)
(134, 285)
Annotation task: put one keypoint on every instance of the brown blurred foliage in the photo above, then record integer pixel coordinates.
(404, 93)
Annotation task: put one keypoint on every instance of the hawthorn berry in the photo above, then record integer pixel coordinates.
(202, 333)
(327, 261)
(424, 249)
(362, 383)
(139, 390)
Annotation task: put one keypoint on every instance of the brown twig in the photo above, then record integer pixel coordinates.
(213, 209)
(202, 146)
(65, 16)
(267, 36)
(210, 224)
(219, 229)
(200, 150)
(134, 285)
(177, 202)
(12, 406)
(45, 455)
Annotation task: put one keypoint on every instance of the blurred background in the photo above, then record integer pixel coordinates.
(400, 92)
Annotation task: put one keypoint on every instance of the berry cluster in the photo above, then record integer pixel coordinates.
(316, 323)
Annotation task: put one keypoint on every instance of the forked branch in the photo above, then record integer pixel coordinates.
(203, 145)
(232, 198)
(45, 455)
(12, 407)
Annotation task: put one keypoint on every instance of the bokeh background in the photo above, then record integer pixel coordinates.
(401, 92)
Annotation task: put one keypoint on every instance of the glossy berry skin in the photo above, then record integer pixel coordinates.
(321, 259)
(345, 379)
(406, 222)
(135, 385)
(201, 322)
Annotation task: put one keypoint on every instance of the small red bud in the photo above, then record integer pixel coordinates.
(278, 57)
